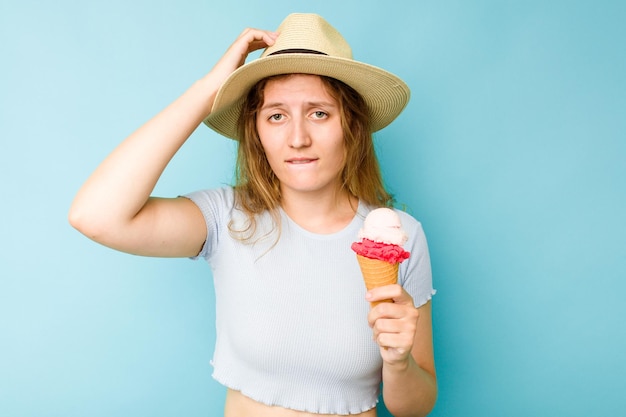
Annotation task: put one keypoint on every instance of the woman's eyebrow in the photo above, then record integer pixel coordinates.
(321, 104)
(277, 104)
(272, 105)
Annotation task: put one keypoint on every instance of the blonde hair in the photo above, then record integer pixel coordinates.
(257, 189)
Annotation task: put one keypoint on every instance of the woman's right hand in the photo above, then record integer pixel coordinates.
(248, 41)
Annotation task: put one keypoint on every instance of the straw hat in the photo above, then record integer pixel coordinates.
(308, 44)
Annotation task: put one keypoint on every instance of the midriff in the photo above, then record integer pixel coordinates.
(238, 405)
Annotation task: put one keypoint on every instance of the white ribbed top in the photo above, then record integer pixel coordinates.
(292, 320)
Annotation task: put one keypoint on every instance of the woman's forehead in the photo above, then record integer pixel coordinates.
(305, 86)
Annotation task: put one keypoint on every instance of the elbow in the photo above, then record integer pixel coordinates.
(423, 410)
(78, 221)
(430, 405)
(87, 224)
(430, 399)
(421, 404)
(74, 217)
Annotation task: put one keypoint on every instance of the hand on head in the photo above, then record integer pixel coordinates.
(248, 41)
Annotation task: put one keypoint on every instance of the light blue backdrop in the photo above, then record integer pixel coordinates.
(512, 154)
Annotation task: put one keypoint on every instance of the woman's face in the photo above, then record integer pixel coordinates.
(299, 125)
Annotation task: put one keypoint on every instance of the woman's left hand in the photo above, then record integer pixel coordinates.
(393, 324)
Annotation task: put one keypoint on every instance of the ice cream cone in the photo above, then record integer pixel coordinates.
(377, 273)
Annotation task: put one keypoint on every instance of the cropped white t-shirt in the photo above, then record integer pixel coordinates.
(291, 315)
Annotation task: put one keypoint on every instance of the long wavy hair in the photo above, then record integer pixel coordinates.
(257, 189)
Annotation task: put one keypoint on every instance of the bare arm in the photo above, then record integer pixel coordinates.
(405, 336)
(114, 206)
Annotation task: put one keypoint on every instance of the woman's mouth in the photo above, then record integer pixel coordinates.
(300, 161)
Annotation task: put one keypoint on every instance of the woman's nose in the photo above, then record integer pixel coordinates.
(299, 135)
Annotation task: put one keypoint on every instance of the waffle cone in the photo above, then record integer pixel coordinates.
(377, 273)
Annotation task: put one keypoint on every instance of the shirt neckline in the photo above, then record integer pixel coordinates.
(351, 228)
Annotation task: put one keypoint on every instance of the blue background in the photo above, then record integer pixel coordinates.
(511, 153)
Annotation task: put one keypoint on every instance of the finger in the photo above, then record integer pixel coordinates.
(384, 325)
(393, 318)
(383, 311)
(399, 341)
(385, 292)
(394, 355)
(406, 324)
(394, 292)
(257, 39)
(257, 44)
(249, 40)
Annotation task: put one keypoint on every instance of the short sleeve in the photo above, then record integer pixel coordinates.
(216, 206)
(415, 273)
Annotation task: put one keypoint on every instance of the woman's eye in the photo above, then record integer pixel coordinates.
(319, 114)
(276, 117)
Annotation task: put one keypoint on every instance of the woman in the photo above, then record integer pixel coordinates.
(295, 335)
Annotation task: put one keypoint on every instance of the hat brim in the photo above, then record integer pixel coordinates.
(385, 94)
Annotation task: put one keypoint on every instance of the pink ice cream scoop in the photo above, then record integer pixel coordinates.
(382, 237)
(380, 251)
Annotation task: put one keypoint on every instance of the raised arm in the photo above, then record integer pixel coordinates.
(114, 206)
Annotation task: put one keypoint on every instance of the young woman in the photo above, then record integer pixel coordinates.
(295, 333)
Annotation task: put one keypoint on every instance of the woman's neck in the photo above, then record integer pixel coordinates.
(323, 214)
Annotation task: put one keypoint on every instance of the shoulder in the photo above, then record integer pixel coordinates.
(216, 207)
(224, 194)
(415, 231)
(409, 223)
(215, 202)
